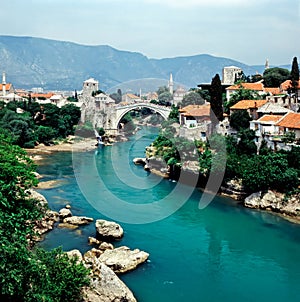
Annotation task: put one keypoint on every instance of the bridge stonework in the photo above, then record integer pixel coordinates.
(120, 111)
(107, 115)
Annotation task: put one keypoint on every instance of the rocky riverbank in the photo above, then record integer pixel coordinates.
(279, 203)
(275, 202)
(103, 259)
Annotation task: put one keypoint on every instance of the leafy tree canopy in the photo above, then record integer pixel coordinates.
(192, 98)
(273, 77)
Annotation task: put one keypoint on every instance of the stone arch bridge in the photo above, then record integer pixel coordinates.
(119, 112)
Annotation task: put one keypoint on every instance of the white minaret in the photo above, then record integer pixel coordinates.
(3, 84)
(171, 84)
(267, 66)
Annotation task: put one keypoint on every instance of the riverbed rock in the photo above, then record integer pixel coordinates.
(64, 213)
(93, 240)
(37, 196)
(43, 226)
(69, 226)
(107, 287)
(234, 189)
(122, 259)
(106, 246)
(108, 230)
(78, 220)
(139, 161)
(75, 254)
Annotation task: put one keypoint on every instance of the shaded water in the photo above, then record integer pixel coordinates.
(222, 253)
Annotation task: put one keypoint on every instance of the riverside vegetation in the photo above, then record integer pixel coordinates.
(29, 274)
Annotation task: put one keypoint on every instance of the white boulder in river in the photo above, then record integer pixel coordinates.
(108, 229)
(122, 259)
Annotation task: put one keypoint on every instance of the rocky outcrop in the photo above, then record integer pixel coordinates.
(108, 230)
(274, 201)
(234, 189)
(122, 259)
(78, 220)
(37, 196)
(139, 161)
(105, 286)
(44, 225)
(64, 213)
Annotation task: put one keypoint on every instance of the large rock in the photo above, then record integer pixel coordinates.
(107, 287)
(122, 259)
(64, 213)
(78, 220)
(75, 254)
(108, 230)
(37, 196)
(274, 201)
(253, 200)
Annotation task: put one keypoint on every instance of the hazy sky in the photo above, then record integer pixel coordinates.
(246, 30)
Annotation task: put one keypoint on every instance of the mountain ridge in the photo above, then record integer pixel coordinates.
(63, 65)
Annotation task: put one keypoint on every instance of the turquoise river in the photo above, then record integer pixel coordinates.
(221, 253)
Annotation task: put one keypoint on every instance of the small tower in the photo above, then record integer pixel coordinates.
(3, 84)
(171, 84)
(90, 86)
(267, 64)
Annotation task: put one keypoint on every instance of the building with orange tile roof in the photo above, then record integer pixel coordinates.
(194, 114)
(258, 87)
(129, 97)
(290, 122)
(265, 125)
(37, 96)
(250, 105)
(286, 85)
(273, 90)
(5, 88)
(195, 121)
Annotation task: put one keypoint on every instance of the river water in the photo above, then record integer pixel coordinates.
(221, 253)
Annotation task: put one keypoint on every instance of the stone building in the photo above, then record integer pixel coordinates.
(230, 74)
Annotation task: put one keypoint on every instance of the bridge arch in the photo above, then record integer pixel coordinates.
(122, 110)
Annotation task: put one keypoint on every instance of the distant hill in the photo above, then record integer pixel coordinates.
(57, 65)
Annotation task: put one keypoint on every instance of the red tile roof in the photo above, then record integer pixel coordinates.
(248, 104)
(42, 95)
(270, 118)
(273, 90)
(196, 110)
(291, 120)
(288, 84)
(7, 86)
(252, 86)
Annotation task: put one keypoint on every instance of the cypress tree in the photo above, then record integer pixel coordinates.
(216, 98)
(295, 77)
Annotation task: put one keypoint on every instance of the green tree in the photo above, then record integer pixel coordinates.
(271, 171)
(192, 98)
(246, 144)
(295, 77)
(164, 98)
(174, 114)
(45, 134)
(216, 97)
(27, 275)
(239, 95)
(273, 77)
(240, 120)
